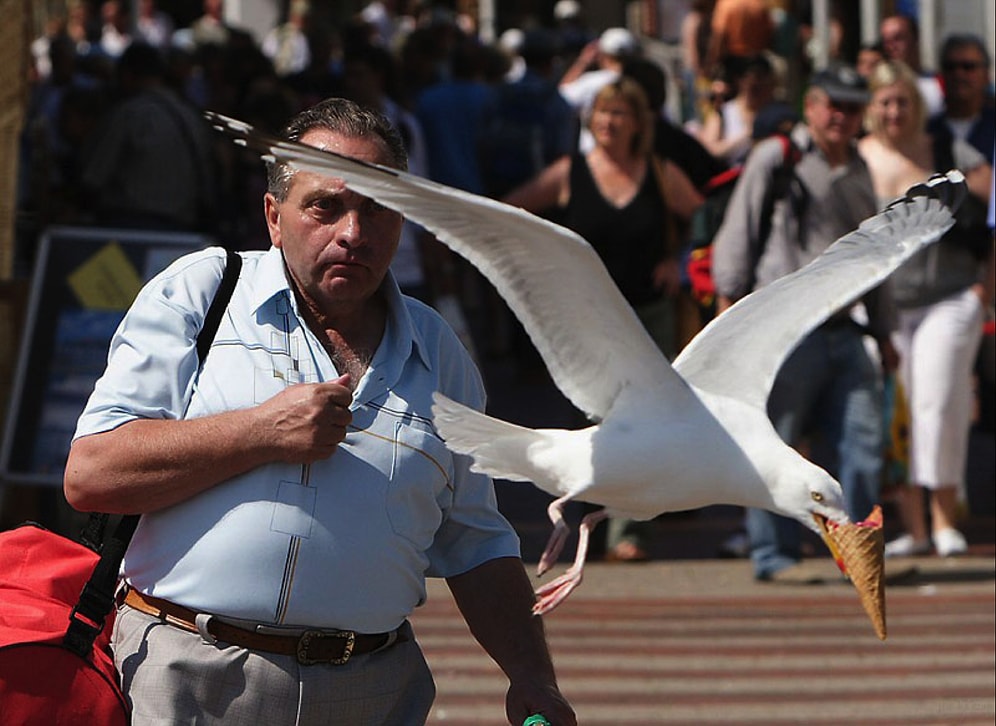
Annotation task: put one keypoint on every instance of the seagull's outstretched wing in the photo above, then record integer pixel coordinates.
(590, 339)
(740, 351)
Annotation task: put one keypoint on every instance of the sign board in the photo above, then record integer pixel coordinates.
(84, 281)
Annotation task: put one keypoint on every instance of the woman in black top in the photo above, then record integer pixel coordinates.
(614, 196)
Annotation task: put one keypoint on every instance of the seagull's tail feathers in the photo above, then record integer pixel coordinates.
(498, 448)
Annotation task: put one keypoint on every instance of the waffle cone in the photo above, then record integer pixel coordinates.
(862, 549)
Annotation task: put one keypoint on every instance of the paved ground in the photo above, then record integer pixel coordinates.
(699, 642)
(690, 638)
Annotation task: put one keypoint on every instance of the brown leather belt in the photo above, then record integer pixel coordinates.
(310, 647)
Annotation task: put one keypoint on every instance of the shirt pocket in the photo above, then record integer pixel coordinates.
(420, 488)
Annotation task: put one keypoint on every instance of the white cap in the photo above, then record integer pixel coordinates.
(511, 40)
(566, 9)
(618, 41)
(374, 13)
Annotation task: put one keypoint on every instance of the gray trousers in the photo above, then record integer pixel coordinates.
(172, 676)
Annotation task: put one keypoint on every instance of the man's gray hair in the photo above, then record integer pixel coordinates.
(343, 117)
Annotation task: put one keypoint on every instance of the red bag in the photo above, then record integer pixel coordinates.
(42, 680)
(57, 605)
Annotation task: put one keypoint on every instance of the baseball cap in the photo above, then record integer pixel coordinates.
(618, 41)
(512, 40)
(842, 84)
(566, 10)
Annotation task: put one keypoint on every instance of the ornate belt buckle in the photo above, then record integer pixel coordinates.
(304, 642)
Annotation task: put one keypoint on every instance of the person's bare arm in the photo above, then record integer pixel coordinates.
(146, 464)
(584, 60)
(711, 132)
(546, 190)
(723, 303)
(496, 600)
(682, 196)
(979, 181)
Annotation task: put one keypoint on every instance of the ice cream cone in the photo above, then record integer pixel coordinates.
(862, 550)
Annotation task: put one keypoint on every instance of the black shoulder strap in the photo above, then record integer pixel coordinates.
(97, 598)
(212, 319)
(779, 188)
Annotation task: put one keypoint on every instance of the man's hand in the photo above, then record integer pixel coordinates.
(306, 422)
(524, 698)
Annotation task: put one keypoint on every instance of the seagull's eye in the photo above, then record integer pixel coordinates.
(817, 497)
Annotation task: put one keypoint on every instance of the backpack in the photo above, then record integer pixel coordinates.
(708, 218)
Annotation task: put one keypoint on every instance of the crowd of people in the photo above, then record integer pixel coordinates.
(570, 123)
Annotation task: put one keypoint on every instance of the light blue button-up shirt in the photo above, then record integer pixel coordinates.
(345, 543)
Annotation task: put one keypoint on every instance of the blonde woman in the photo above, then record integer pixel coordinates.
(613, 197)
(940, 295)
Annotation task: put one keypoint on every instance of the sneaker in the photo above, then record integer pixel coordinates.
(906, 546)
(950, 542)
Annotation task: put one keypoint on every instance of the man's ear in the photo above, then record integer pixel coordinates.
(271, 211)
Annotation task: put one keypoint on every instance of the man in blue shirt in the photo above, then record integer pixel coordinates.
(294, 494)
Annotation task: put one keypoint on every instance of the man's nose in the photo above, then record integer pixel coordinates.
(351, 225)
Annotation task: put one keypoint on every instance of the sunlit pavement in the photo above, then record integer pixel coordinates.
(699, 642)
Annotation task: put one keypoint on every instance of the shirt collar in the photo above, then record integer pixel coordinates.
(271, 279)
(402, 334)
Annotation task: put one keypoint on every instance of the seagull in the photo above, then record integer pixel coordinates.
(665, 437)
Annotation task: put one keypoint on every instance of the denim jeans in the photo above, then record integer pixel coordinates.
(828, 393)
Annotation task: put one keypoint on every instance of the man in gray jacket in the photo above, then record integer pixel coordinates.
(827, 395)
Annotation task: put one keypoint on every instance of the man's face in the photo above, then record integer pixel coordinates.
(336, 244)
(965, 74)
(898, 41)
(832, 123)
(866, 61)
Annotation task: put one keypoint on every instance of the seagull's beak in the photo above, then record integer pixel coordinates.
(824, 526)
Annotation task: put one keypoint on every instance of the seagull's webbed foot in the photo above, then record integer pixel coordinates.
(556, 591)
(555, 545)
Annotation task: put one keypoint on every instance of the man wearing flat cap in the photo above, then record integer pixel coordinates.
(827, 394)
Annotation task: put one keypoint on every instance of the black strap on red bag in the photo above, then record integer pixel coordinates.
(86, 620)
